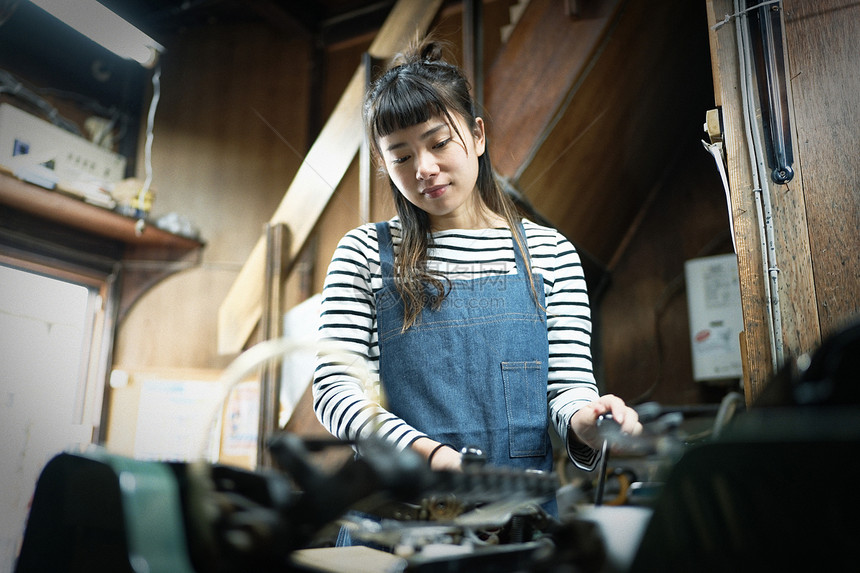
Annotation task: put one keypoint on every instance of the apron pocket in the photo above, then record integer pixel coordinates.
(525, 400)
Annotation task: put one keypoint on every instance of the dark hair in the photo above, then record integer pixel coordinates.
(420, 86)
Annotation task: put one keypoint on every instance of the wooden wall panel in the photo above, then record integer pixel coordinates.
(532, 75)
(756, 338)
(230, 131)
(823, 41)
(646, 91)
(797, 321)
(642, 332)
(817, 214)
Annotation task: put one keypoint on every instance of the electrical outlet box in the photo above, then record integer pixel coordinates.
(72, 158)
(716, 321)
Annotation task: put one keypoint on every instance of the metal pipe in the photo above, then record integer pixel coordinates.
(771, 267)
(773, 92)
(762, 194)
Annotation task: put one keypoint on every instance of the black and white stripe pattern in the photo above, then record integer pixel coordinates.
(346, 394)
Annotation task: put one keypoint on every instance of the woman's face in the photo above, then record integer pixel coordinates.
(436, 171)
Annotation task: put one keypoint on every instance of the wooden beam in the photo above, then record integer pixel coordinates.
(317, 178)
(821, 39)
(758, 369)
(535, 75)
(795, 286)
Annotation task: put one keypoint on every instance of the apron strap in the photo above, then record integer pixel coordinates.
(386, 253)
(518, 256)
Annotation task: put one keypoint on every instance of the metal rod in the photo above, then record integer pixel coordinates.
(601, 479)
(770, 63)
(277, 248)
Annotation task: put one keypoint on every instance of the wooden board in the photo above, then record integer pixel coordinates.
(798, 328)
(758, 367)
(816, 215)
(644, 90)
(317, 178)
(823, 40)
(533, 75)
(355, 559)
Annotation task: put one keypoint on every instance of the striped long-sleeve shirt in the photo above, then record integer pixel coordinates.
(347, 398)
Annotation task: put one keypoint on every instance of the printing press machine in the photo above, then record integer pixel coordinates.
(771, 491)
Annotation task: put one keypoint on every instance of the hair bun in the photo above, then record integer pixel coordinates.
(431, 51)
(420, 50)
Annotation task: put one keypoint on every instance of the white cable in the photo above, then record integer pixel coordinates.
(762, 197)
(743, 76)
(147, 151)
(716, 151)
(743, 12)
(269, 350)
(771, 266)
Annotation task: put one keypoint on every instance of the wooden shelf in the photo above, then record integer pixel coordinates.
(38, 212)
(59, 208)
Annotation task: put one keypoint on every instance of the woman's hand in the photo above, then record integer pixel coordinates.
(444, 457)
(584, 422)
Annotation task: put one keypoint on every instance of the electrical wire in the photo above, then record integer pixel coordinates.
(716, 151)
(769, 255)
(277, 349)
(738, 13)
(728, 406)
(147, 154)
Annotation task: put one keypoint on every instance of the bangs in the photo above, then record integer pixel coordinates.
(402, 104)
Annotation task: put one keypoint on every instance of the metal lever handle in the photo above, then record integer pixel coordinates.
(603, 421)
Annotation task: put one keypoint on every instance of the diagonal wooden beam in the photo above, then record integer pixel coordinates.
(317, 178)
(559, 51)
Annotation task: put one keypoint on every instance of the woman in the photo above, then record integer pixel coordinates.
(475, 323)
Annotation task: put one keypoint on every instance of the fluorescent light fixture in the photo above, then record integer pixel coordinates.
(103, 26)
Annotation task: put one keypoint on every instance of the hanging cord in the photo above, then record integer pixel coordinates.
(147, 153)
(729, 405)
(716, 151)
(274, 351)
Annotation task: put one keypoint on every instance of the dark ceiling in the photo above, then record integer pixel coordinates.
(56, 59)
(327, 20)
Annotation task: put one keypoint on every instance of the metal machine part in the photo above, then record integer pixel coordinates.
(735, 499)
(100, 512)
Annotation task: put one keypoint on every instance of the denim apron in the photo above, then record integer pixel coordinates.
(474, 372)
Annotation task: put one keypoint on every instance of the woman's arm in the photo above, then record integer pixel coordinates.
(575, 404)
(571, 385)
(346, 379)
